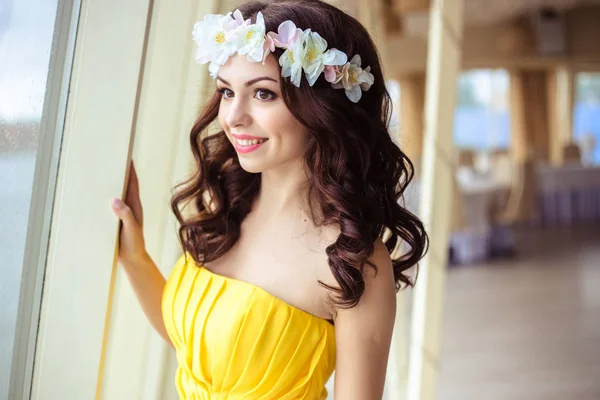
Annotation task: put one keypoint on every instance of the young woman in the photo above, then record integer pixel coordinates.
(285, 274)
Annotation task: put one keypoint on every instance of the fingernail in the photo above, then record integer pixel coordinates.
(117, 203)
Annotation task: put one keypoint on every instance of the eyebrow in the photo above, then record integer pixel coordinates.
(251, 81)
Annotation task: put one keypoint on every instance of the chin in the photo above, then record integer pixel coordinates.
(251, 167)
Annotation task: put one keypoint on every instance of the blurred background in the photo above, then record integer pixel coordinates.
(517, 304)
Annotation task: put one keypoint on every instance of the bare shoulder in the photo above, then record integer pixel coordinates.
(379, 284)
(380, 258)
(383, 261)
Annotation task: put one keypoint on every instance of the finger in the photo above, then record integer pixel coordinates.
(124, 213)
(133, 170)
(138, 214)
(134, 200)
(134, 179)
(132, 193)
(120, 230)
(132, 187)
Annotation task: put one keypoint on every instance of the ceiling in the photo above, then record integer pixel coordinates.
(490, 11)
(476, 12)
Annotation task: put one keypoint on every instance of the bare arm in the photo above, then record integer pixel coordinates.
(148, 284)
(364, 332)
(145, 277)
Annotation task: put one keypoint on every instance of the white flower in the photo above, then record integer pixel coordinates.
(352, 78)
(238, 20)
(213, 68)
(291, 38)
(218, 37)
(292, 59)
(212, 38)
(316, 58)
(250, 38)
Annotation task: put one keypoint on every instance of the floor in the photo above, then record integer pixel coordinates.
(528, 327)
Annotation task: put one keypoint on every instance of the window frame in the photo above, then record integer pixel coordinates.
(42, 198)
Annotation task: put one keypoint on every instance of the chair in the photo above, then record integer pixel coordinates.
(571, 153)
(499, 151)
(522, 199)
(502, 168)
(466, 158)
(457, 217)
(520, 207)
(468, 243)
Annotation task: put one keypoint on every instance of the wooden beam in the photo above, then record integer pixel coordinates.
(406, 6)
(481, 44)
(392, 22)
(510, 44)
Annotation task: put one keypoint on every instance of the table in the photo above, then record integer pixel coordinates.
(479, 195)
(568, 195)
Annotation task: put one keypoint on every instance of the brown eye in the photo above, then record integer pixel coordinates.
(224, 93)
(265, 95)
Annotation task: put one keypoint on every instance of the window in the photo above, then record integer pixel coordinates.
(393, 88)
(586, 116)
(481, 118)
(26, 33)
(56, 231)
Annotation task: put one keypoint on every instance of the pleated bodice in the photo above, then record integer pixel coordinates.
(234, 340)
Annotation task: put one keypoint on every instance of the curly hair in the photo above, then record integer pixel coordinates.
(358, 175)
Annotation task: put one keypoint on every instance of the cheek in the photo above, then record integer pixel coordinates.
(221, 118)
(222, 123)
(281, 120)
(301, 142)
(294, 137)
(298, 134)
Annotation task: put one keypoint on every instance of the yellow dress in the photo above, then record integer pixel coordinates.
(235, 341)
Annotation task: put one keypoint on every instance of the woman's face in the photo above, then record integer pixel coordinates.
(254, 116)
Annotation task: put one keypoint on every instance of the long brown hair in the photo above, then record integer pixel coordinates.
(358, 173)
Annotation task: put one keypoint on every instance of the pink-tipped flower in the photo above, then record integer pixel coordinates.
(286, 36)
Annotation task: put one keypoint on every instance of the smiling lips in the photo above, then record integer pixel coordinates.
(247, 143)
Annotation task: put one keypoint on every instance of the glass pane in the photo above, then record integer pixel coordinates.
(586, 116)
(26, 33)
(393, 88)
(481, 119)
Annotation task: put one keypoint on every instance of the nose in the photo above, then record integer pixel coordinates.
(238, 114)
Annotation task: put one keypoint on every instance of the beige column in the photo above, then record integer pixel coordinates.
(529, 114)
(560, 106)
(410, 136)
(518, 129)
(443, 63)
(370, 13)
(412, 106)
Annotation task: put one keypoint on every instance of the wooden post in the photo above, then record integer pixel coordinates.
(560, 115)
(412, 106)
(443, 62)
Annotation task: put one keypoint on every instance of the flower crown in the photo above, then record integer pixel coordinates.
(220, 36)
